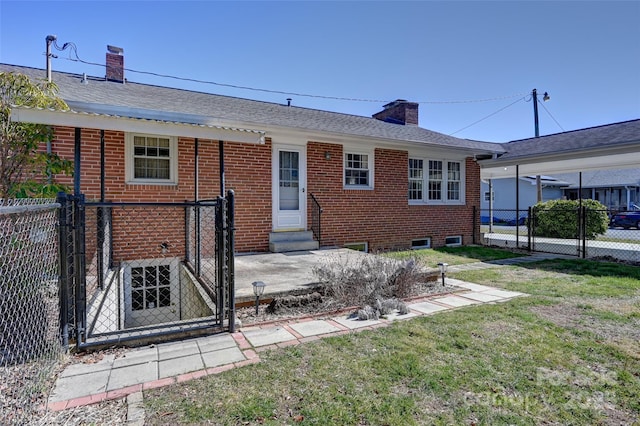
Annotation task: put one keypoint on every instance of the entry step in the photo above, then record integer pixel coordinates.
(282, 242)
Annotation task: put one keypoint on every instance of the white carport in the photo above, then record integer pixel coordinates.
(613, 146)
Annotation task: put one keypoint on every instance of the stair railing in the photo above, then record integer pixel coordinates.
(316, 215)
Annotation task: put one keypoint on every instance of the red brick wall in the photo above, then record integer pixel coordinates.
(247, 172)
(382, 216)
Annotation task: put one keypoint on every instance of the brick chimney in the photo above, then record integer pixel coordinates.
(399, 112)
(115, 64)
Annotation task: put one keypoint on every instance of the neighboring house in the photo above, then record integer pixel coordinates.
(616, 189)
(382, 182)
(504, 194)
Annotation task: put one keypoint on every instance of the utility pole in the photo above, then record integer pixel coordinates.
(534, 98)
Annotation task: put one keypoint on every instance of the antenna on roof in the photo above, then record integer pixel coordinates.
(49, 39)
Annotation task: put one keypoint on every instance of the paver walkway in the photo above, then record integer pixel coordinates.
(164, 364)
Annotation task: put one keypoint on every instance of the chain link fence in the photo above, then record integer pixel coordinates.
(30, 344)
(585, 232)
(150, 270)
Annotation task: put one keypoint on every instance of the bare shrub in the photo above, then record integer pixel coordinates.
(359, 279)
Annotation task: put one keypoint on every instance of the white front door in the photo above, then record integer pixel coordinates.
(289, 188)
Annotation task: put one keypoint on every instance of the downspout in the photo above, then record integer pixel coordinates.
(490, 206)
(221, 155)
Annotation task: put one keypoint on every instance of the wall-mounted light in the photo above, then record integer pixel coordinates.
(164, 247)
(327, 155)
(258, 290)
(443, 271)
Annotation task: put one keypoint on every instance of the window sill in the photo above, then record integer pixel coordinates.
(436, 203)
(358, 187)
(152, 182)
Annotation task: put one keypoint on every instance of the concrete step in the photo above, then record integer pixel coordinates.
(282, 242)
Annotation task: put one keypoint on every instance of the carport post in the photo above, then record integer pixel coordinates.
(517, 205)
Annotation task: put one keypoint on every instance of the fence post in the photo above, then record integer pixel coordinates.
(63, 272)
(100, 247)
(583, 230)
(221, 242)
(529, 227)
(79, 268)
(230, 255)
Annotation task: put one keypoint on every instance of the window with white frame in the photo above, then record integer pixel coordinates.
(151, 159)
(416, 179)
(357, 170)
(436, 181)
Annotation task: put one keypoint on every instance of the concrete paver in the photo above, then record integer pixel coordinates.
(314, 328)
(268, 336)
(454, 301)
(180, 365)
(222, 357)
(427, 307)
(137, 356)
(71, 387)
(354, 322)
(177, 349)
(481, 297)
(504, 294)
(132, 375)
(216, 342)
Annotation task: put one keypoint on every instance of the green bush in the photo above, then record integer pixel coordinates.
(559, 219)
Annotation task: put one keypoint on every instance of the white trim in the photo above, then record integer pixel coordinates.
(362, 243)
(284, 220)
(128, 161)
(423, 246)
(458, 237)
(135, 125)
(370, 160)
(444, 189)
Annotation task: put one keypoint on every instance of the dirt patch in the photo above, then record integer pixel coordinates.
(587, 315)
(315, 304)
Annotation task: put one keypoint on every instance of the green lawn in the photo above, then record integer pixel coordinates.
(454, 255)
(567, 354)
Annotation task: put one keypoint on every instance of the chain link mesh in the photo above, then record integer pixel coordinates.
(149, 269)
(619, 242)
(30, 344)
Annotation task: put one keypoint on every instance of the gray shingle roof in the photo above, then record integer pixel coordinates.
(227, 110)
(583, 139)
(602, 178)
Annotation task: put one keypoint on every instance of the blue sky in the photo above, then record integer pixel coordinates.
(585, 54)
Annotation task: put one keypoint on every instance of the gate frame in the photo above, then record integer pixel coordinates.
(72, 266)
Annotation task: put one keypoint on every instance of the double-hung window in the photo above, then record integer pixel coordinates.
(357, 170)
(151, 159)
(435, 181)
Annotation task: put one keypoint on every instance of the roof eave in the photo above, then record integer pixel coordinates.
(92, 120)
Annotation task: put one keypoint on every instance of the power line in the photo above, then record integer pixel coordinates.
(552, 117)
(74, 49)
(490, 115)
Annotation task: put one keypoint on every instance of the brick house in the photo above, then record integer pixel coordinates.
(382, 182)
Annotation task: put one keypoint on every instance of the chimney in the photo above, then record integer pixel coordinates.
(115, 64)
(399, 112)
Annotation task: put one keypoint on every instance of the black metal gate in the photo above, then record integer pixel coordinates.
(142, 272)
